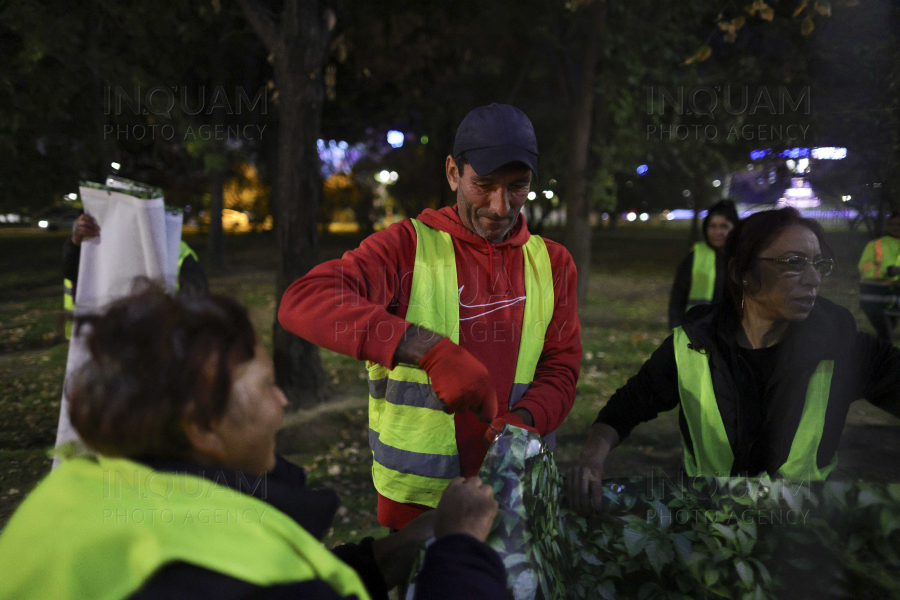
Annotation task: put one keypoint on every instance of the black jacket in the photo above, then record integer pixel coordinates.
(456, 567)
(678, 299)
(864, 367)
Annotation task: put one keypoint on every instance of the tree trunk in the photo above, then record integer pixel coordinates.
(298, 45)
(216, 238)
(298, 187)
(578, 204)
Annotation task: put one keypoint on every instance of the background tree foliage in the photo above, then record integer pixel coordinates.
(351, 71)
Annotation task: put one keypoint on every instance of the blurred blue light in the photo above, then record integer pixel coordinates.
(642, 169)
(794, 153)
(395, 138)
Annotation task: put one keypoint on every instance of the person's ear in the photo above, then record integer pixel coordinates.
(735, 277)
(205, 440)
(453, 173)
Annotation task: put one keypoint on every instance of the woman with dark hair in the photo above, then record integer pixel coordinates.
(186, 497)
(700, 277)
(765, 379)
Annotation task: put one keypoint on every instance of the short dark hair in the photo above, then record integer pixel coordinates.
(461, 162)
(154, 361)
(724, 208)
(754, 234)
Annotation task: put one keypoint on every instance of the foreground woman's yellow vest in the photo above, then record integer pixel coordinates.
(413, 440)
(712, 451)
(100, 528)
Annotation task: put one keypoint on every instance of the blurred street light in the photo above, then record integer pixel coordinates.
(395, 138)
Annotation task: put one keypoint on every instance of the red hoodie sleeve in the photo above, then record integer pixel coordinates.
(355, 305)
(552, 393)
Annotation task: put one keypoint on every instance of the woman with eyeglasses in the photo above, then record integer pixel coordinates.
(763, 380)
(700, 278)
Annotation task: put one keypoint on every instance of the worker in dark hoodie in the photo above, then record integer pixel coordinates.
(466, 320)
(700, 276)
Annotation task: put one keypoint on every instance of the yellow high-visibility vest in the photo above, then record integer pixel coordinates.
(413, 440)
(68, 306)
(183, 252)
(712, 455)
(703, 275)
(100, 527)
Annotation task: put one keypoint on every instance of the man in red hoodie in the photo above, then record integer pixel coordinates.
(452, 310)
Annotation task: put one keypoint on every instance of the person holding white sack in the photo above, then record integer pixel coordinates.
(141, 237)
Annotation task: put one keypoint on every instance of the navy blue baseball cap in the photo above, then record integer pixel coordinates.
(495, 135)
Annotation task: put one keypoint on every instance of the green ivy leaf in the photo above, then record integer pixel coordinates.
(725, 531)
(867, 497)
(682, 545)
(607, 590)
(890, 522)
(659, 555)
(745, 572)
(634, 541)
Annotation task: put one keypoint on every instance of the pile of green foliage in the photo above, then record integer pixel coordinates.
(686, 538)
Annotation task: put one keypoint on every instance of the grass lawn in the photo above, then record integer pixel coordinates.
(623, 321)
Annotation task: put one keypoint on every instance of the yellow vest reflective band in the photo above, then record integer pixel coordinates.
(712, 451)
(100, 528)
(183, 252)
(68, 306)
(703, 275)
(412, 439)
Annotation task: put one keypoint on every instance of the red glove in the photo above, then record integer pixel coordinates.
(508, 419)
(460, 381)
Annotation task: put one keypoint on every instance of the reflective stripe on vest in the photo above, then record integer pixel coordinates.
(703, 275)
(712, 451)
(123, 521)
(183, 252)
(68, 306)
(413, 440)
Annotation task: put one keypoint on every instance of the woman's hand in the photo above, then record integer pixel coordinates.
(584, 480)
(396, 553)
(467, 506)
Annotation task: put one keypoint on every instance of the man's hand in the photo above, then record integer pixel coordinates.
(460, 381)
(893, 271)
(467, 506)
(584, 480)
(84, 227)
(511, 418)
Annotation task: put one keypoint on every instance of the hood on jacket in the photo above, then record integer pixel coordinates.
(447, 219)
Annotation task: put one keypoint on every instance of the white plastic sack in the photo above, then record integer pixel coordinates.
(138, 237)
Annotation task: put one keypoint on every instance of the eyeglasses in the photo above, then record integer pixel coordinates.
(797, 265)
